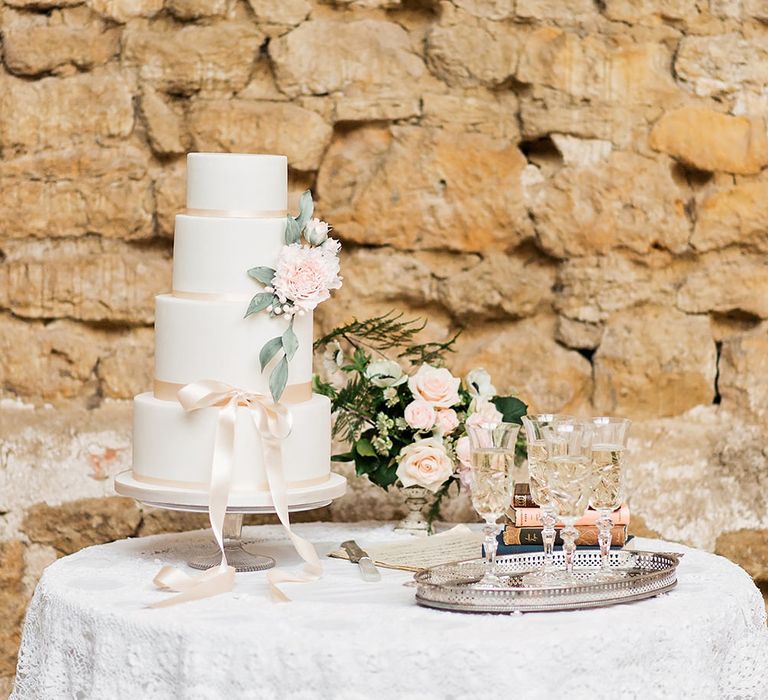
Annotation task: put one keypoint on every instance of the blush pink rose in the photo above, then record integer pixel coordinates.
(436, 386)
(446, 421)
(464, 455)
(485, 412)
(424, 463)
(305, 276)
(420, 415)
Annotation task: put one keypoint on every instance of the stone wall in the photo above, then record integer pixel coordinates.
(578, 184)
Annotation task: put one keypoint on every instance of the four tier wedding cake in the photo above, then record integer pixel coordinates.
(235, 221)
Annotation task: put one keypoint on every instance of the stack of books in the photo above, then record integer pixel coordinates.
(522, 532)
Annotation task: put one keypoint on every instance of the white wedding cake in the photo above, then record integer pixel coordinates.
(235, 220)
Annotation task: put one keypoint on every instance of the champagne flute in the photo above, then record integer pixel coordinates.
(570, 478)
(609, 443)
(537, 472)
(492, 449)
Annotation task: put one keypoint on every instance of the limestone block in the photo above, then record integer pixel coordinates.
(468, 52)
(654, 361)
(195, 9)
(214, 58)
(501, 286)
(748, 548)
(170, 193)
(418, 188)
(590, 288)
(743, 378)
(71, 526)
(641, 11)
(523, 357)
(487, 9)
(157, 522)
(165, 128)
(483, 111)
(616, 70)
(726, 281)
(290, 12)
(125, 10)
(362, 109)
(356, 58)
(53, 110)
(713, 65)
(13, 599)
(42, 4)
(581, 335)
(558, 10)
(126, 367)
(626, 201)
(708, 140)
(260, 127)
(735, 215)
(757, 9)
(65, 42)
(90, 279)
(699, 475)
(77, 191)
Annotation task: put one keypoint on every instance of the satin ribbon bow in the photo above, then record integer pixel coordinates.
(273, 423)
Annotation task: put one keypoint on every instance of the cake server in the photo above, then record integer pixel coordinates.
(359, 556)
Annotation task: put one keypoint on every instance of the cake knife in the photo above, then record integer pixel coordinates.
(359, 556)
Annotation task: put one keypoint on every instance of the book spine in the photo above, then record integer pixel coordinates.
(531, 517)
(522, 496)
(587, 536)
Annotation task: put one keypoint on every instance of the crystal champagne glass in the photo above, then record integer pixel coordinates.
(492, 449)
(608, 447)
(569, 476)
(537, 472)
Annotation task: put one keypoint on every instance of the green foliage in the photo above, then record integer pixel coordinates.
(378, 333)
(270, 349)
(265, 275)
(260, 302)
(306, 209)
(512, 408)
(278, 379)
(292, 230)
(290, 341)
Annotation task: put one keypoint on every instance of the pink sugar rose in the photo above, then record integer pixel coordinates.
(305, 276)
(424, 463)
(436, 386)
(420, 415)
(446, 421)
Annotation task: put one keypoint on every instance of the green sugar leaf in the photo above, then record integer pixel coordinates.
(290, 342)
(259, 303)
(270, 349)
(292, 231)
(306, 209)
(262, 274)
(278, 379)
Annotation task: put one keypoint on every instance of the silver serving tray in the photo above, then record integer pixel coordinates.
(454, 586)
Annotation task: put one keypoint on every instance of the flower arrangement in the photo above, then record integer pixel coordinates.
(305, 273)
(405, 416)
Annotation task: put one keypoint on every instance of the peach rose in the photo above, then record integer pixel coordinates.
(485, 412)
(436, 386)
(464, 455)
(424, 463)
(420, 415)
(446, 421)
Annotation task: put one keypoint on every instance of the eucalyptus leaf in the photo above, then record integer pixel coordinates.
(306, 209)
(270, 349)
(259, 303)
(512, 408)
(290, 342)
(344, 457)
(364, 448)
(292, 230)
(278, 379)
(262, 274)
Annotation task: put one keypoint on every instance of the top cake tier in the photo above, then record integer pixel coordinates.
(237, 184)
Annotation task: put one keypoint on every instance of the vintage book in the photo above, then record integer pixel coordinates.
(587, 536)
(531, 517)
(522, 496)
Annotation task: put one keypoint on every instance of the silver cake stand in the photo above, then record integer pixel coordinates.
(241, 503)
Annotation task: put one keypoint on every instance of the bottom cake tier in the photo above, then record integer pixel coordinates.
(174, 448)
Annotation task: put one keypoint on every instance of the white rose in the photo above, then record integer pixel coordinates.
(485, 412)
(384, 373)
(479, 386)
(420, 415)
(316, 232)
(446, 421)
(436, 386)
(424, 463)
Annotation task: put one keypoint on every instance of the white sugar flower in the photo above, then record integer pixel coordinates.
(305, 276)
(316, 232)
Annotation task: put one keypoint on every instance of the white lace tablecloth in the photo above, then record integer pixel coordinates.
(88, 634)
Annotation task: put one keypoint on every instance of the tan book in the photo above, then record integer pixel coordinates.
(587, 536)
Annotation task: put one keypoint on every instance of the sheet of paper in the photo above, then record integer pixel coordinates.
(417, 553)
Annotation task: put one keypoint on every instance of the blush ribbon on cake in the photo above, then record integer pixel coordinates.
(274, 423)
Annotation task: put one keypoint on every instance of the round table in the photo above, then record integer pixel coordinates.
(88, 635)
